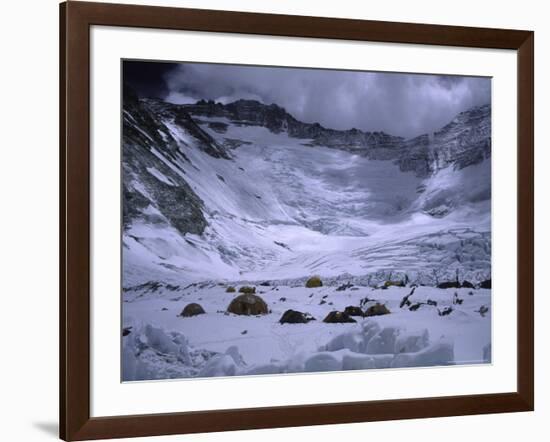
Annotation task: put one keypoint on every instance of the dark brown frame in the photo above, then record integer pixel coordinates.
(75, 21)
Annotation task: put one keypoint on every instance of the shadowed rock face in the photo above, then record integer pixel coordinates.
(148, 182)
(172, 199)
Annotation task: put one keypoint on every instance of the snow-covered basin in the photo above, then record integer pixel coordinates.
(262, 339)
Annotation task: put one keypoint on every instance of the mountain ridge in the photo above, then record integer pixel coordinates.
(423, 154)
(206, 194)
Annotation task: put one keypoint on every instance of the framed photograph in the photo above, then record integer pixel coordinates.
(272, 221)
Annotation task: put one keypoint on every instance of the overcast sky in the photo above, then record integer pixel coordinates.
(399, 104)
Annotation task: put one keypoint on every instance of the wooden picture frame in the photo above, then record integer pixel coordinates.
(75, 21)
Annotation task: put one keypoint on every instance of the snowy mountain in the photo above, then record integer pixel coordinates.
(246, 192)
(464, 141)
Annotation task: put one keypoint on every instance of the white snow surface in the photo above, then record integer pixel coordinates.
(220, 344)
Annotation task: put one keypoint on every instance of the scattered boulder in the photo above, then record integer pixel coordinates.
(415, 306)
(163, 309)
(431, 302)
(457, 300)
(192, 309)
(445, 312)
(265, 284)
(244, 332)
(247, 289)
(126, 331)
(377, 310)
(405, 301)
(322, 302)
(230, 289)
(248, 304)
(485, 284)
(314, 281)
(353, 311)
(295, 317)
(482, 310)
(365, 301)
(343, 287)
(283, 299)
(336, 317)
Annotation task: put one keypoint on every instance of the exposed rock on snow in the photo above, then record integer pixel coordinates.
(449, 285)
(345, 286)
(482, 310)
(248, 304)
(393, 284)
(485, 284)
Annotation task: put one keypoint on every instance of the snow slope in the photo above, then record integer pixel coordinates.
(281, 208)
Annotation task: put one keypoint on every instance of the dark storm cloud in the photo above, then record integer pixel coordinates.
(399, 104)
(147, 78)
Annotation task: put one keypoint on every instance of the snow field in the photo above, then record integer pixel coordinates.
(164, 345)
